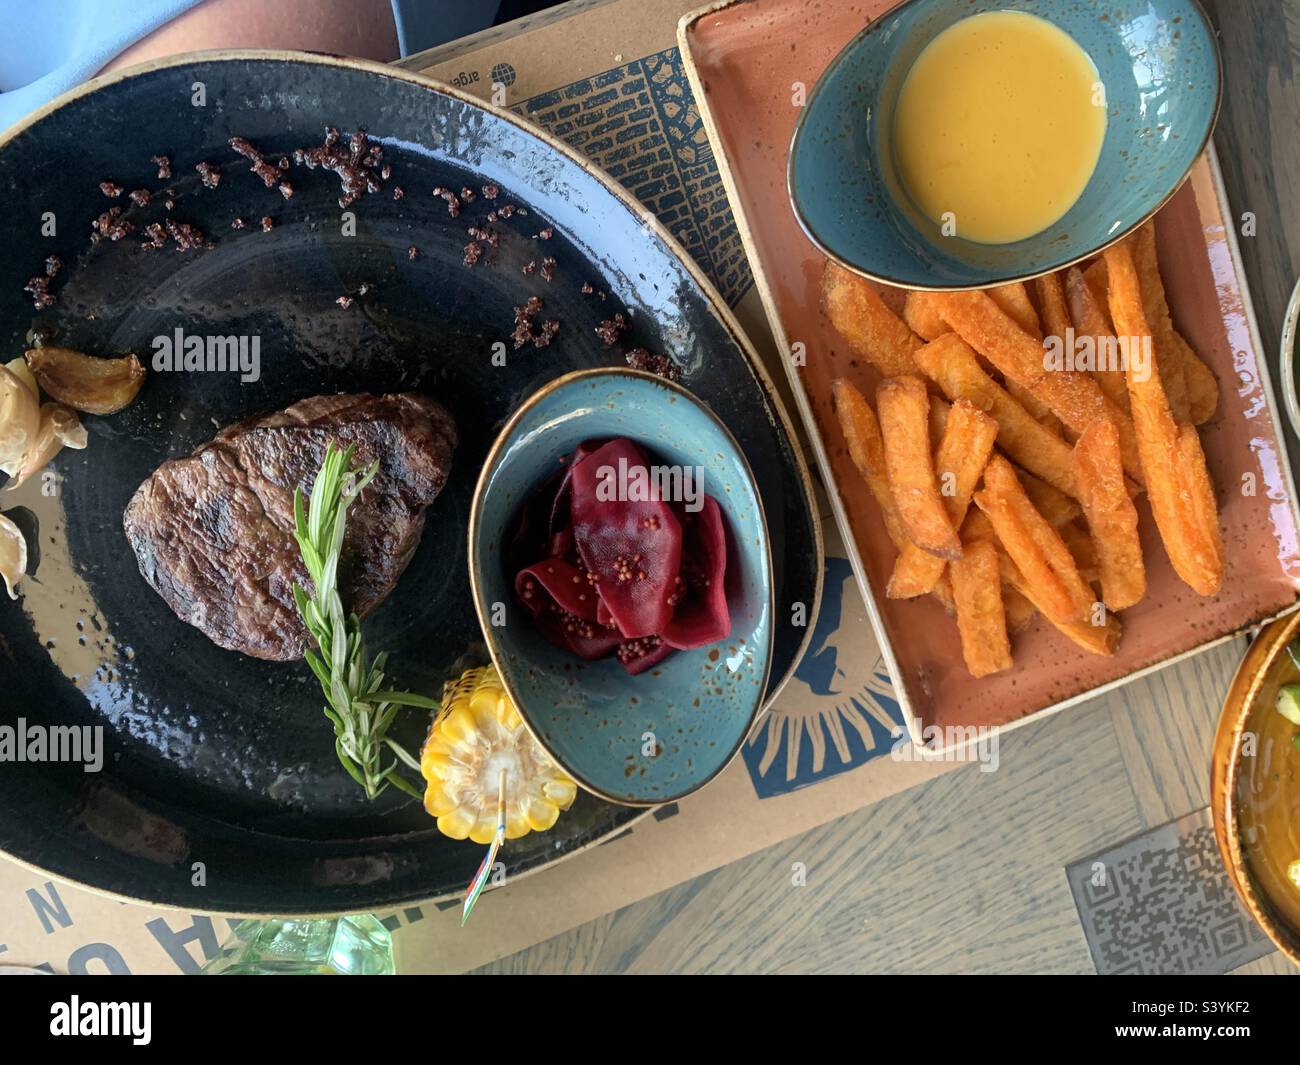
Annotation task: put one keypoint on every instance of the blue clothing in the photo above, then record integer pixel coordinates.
(49, 46)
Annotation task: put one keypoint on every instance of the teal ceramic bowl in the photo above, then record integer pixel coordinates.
(1159, 62)
(655, 737)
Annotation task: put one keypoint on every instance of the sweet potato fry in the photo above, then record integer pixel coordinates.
(952, 365)
(1053, 504)
(1202, 385)
(1034, 545)
(981, 618)
(1018, 610)
(922, 318)
(1090, 319)
(871, 328)
(1112, 518)
(1199, 506)
(1178, 483)
(959, 462)
(1040, 412)
(1082, 550)
(867, 449)
(938, 416)
(1051, 304)
(1102, 639)
(1075, 398)
(1055, 320)
(1014, 300)
(1095, 275)
(1169, 356)
(903, 407)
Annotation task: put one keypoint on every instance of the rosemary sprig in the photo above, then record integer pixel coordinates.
(356, 703)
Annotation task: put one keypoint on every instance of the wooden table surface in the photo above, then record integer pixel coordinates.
(966, 873)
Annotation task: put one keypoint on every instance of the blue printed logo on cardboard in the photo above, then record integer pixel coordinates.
(807, 737)
(640, 123)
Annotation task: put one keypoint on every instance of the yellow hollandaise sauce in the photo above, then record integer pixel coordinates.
(998, 127)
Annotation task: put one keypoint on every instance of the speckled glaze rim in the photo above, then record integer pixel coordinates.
(652, 224)
(476, 567)
(893, 282)
(1225, 772)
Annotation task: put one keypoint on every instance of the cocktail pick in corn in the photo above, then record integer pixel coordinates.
(478, 733)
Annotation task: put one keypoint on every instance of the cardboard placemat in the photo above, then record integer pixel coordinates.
(605, 76)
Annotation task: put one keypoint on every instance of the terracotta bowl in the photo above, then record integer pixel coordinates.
(1266, 657)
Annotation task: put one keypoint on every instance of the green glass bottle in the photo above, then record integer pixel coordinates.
(342, 946)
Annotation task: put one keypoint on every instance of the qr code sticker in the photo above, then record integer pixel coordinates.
(1162, 903)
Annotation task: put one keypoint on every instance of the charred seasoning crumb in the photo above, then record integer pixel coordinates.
(259, 166)
(286, 190)
(412, 253)
(547, 233)
(110, 190)
(398, 192)
(452, 200)
(548, 268)
(611, 328)
(186, 236)
(527, 328)
(529, 268)
(164, 165)
(268, 223)
(467, 195)
(39, 289)
(506, 210)
(473, 252)
(210, 175)
(587, 290)
(140, 197)
(353, 159)
(344, 301)
(53, 264)
(110, 225)
(156, 234)
(660, 365)
(486, 236)
(491, 192)
(238, 223)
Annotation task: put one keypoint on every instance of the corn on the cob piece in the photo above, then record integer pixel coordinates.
(477, 733)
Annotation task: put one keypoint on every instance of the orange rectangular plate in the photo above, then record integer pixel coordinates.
(749, 60)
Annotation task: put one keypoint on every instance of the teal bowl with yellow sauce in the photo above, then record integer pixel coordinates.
(872, 201)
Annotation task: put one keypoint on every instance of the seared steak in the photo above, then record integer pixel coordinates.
(213, 532)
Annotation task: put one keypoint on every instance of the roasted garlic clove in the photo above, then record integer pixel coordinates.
(86, 383)
(20, 420)
(13, 555)
(18, 367)
(59, 428)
